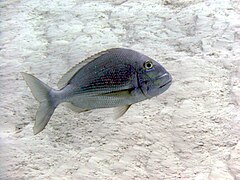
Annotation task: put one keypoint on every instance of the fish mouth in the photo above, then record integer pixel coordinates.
(166, 79)
(167, 83)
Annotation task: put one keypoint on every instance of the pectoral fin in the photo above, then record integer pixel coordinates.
(122, 93)
(120, 111)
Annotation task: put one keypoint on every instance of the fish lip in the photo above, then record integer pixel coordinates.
(169, 80)
(167, 83)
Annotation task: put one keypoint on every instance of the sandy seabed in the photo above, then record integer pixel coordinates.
(192, 131)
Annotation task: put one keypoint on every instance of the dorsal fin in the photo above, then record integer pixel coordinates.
(68, 76)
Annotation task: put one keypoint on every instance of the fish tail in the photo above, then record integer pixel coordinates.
(44, 95)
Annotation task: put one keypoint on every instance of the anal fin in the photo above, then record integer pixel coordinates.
(75, 108)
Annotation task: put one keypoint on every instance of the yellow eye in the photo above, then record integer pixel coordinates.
(148, 64)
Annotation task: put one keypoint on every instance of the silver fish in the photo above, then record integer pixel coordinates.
(113, 78)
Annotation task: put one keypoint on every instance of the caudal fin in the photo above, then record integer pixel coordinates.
(42, 94)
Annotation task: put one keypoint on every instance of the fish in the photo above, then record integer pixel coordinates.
(113, 78)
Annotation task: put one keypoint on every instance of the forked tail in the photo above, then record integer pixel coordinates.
(42, 94)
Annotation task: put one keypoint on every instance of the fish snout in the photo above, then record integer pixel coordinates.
(165, 80)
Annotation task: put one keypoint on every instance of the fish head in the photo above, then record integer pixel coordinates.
(153, 78)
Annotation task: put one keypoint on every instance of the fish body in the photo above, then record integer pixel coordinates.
(113, 78)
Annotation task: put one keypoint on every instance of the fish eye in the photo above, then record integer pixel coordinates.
(148, 64)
